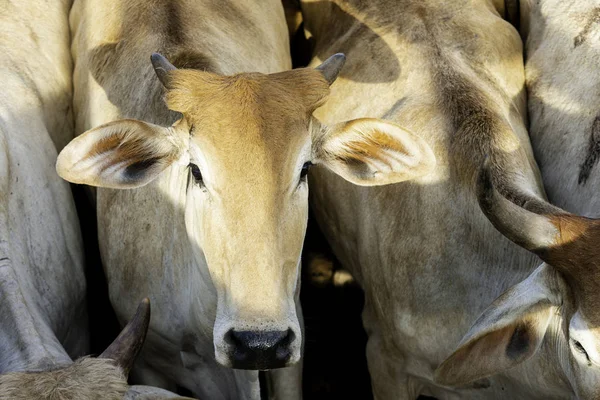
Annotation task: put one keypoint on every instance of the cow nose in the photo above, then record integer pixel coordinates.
(260, 350)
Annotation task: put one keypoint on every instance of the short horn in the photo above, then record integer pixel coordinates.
(128, 344)
(331, 67)
(162, 67)
(529, 230)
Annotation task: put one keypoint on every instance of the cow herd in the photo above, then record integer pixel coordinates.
(451, 151)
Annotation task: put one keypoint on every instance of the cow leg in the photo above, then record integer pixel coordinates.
(388, 378)
(285, 383)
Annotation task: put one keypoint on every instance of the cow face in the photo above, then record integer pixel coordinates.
(247, 141)
(555, 309)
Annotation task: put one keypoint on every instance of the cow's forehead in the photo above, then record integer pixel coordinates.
(253, 97)
(250, 150)
(251, 120)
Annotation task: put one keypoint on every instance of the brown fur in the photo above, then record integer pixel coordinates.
(284, 88)
(371, 143)
(135, 148)
(577, 255)
(85, 379)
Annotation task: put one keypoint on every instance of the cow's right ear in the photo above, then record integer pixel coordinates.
(121, 154)
(508, 332)
(370, 152)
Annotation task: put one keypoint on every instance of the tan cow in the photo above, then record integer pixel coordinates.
(562, 48)
(214, 225)
(428, 259)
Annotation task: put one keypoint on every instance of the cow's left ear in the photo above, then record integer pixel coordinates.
(508, 332)
(370, 152)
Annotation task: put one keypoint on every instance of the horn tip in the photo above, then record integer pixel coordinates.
(144, 307)
(156, 58)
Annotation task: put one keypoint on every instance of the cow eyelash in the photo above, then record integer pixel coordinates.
(579, 348)
(196, 173)
(304, 171)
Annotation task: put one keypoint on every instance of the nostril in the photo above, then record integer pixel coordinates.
(259, 341)
(260, 349)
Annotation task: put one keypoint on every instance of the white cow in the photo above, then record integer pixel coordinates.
(563, 47)
(428, 259)
(556, 308)
(213, 227)
(43, 317)
(562, 52)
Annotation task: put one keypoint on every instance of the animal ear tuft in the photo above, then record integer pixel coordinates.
(371, 152)
(121, 154)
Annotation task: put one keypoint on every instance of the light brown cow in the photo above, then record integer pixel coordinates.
(214, 225)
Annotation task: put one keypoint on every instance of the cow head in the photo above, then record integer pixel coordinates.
(247, 142)
(87, 378)
(556, 307)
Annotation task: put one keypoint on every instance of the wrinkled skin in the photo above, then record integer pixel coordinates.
(43, 318)
(428, 259)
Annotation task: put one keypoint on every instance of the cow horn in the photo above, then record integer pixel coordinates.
(162, 66)
(128, 344)
(529, 230)
(331, 67)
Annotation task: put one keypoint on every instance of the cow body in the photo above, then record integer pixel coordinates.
(42, 285)
(425, 255)
(562, 47)
(142, 233)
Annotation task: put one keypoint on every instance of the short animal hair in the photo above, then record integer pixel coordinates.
(85, 379)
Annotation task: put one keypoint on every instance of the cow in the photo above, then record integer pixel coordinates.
(43, 317)
(87, 378)
(550, 316)
(561, 47)
(212, 225)
(429, 260)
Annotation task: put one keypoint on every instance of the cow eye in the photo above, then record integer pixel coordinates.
(304, 170)
(196, 173)
(579, 348)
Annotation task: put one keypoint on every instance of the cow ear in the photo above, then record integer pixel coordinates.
(508, 332)
(120, 154)
(371, 152)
